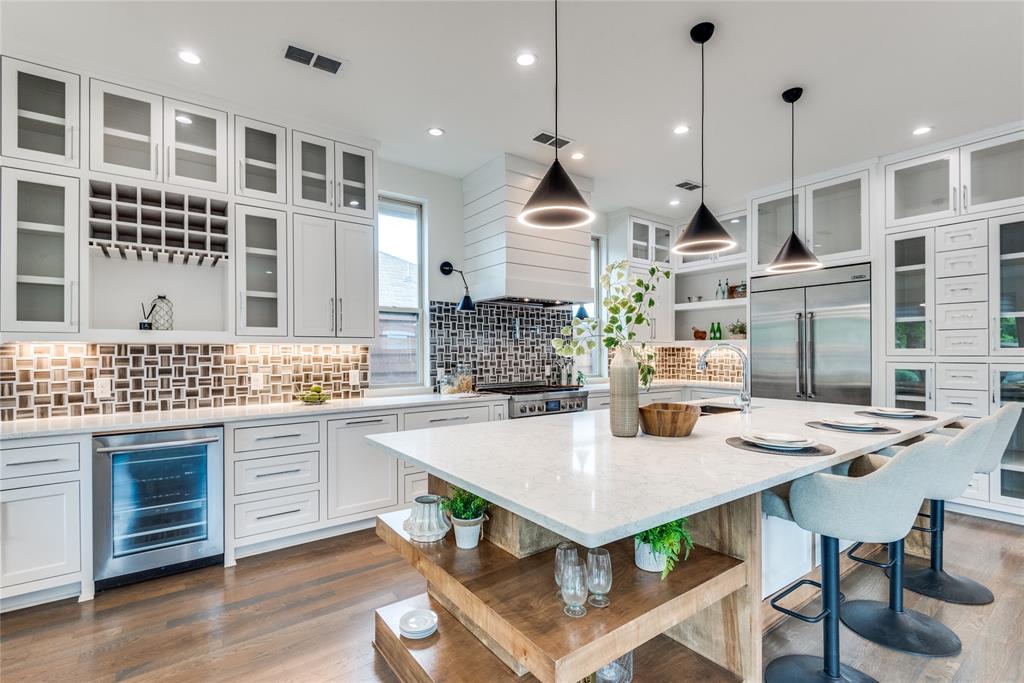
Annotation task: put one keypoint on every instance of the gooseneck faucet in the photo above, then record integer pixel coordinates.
(744, 399)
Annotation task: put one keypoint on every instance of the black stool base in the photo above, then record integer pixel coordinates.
(906, 631)
(809, 669)
(918, 576)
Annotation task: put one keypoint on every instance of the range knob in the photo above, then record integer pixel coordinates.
(533, 408)
(522, 409)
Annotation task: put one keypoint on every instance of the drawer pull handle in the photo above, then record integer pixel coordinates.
(279, 514)
(449, 419)
(277, 474)
(32, 462)
(374, 421)
(961, 403)
(279, 436)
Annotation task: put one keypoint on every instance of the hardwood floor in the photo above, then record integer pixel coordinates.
(306, 614)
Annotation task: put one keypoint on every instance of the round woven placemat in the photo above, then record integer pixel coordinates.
(819, 449)
(814, 424)
(865, 413)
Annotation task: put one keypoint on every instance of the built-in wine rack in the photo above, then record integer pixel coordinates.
(166, 226)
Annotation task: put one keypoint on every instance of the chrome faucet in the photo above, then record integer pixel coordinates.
(744, 399)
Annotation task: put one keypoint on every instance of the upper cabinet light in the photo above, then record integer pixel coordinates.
(436, 132)
(526, 59)
(189, 57)
(922, 130)
(681, 129)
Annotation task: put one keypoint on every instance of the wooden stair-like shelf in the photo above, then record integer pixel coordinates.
(513, 601)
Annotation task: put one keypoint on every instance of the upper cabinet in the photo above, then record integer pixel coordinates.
(260, 271)
(197, 148)
(260, 149)
(771, 221)
(736, 224)
(966, 180)
(40, 113)
(640, 241)
(332, 176)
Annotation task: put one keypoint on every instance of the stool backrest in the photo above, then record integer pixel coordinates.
(960, 459)
(1005, 420)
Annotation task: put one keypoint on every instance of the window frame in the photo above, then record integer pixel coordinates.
(599, 364)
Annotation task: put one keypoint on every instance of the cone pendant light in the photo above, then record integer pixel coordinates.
(556, 204)
(794, 256)
(704, 234)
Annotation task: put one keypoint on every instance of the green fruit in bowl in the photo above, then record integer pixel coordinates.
(316, 389)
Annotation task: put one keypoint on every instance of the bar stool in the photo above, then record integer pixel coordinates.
(876, 508)
(889, 624)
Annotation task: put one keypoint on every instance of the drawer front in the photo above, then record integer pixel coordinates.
(647, 398)
(276, 436)
(701, 394)
(977, 489)
(32, 460)
(443, 418)
(962, 262)
(415, 485)
(957, 290)
(273, 514)
(276, 472)
(961, 236)
(970, 316)
(598, 402)
(968, 403)
(973, 376)
(962, 342)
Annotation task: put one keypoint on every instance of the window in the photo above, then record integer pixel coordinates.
(395, 354)
(592, 365)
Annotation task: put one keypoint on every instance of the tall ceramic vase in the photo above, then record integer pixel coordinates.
(624, 392)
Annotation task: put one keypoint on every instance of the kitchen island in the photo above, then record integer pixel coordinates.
(567, 475)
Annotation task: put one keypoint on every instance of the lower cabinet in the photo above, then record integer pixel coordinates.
(414, 485)
(275, 514)
(360, 477)
(787, 553)
(40, 536)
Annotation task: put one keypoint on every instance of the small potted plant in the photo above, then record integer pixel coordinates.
(738, 330)
(657, 549)
(467, 512)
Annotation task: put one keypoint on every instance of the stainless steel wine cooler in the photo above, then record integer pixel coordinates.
(158, 501)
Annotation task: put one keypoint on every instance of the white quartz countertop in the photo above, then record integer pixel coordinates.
(568, 474)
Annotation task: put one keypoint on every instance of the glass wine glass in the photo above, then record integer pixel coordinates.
(599, 576)
(563, 550)
(616, 671)
(574, 586)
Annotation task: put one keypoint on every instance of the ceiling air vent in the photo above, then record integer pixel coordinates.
(317, 61)
(326, 64)
(690, 185)
(297, 54)
(550, 140)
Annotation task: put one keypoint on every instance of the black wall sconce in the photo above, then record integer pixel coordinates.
(466, 304)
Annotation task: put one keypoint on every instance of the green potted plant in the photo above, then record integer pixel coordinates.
(657, 549)
(738, 330)
(467, 512)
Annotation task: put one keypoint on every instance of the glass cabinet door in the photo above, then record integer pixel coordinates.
(773, 222)
(260, 148)
(837, 217)
(196, 154)
(260, 271)
(40, 113)
(313, 164)
(911, 288)
(39, 252)
(663, 239)
(1008, 481)
(992, 173)
(911, 385)
(640, 240)
(1006, 284)
(922, 189)
(354, 180)
(736, 225)
(125, 131)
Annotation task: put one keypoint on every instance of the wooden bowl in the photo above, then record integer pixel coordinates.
(668, 419)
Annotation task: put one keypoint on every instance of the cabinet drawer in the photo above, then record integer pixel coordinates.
(969, 403)
(956, 290)
(441, 418)
(649, 397)
(276, 436)
(970, 316)
(962, 262)
(961, 236)
(973, 376)
(977, 489)
(273, 514)
(415, 485)
(276, 472)
(32, 460)
(962, 342)
(701, 394)
(599, 402)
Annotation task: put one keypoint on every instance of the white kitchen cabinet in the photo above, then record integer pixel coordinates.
(640, 241)
(1006, 285)
(649, 396)
(961, 235)
(736, 225)
(992, 174)
(910, 385)
(787, 554)
(353, 174)
(196, 140)
(961, 262)
(972, 376)
(332, 176)
(357, 300)
(125, 131)
(261, 160)
(360, 477)
(700, 394)
(1007, 482)
(260, 268)
(40, 117)
(837, 221)
(771, 222)
(40, 535)
(662, 314)
(910, 293)
(922, 189)
(39, 252)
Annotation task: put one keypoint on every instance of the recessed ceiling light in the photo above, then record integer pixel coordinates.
(181, 118)
(436, 132)
(189, 57)
(673, 202)
(354, 202)
(577, 155)
(526, 59)
(681, 129)
(735, 220)
(922, 130)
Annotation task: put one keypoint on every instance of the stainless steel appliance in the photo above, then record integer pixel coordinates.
(531, 400)
(158, 503)
(810, 335)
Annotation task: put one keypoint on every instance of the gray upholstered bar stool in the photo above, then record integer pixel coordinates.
(889, 624)
(877, 508)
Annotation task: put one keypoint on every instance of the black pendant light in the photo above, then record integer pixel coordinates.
(794, 256)
(556, 204)
(704, 234)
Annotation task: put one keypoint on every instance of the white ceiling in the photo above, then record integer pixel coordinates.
(871, 71)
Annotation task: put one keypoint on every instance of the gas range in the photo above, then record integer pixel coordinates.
(531, 399)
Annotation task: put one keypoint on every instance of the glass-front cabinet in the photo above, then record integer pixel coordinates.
(910, 385)
(771, 223)
(1006, 284)
(640, 240)
(39, 252)
(353, 171)
(922, 189)
(260, 261)
(125, 131)
(1007, 482)
(196, 139)
(332, 176)
(40, 113)
(736, 225)
(837, 223)
(910, 292)
(992, 173)
(260, 150)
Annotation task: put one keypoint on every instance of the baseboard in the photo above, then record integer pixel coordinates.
(986, 513)
(304, 537)
(71, 590)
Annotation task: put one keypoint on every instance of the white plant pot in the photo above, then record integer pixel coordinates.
(646, 559)
(468, 531)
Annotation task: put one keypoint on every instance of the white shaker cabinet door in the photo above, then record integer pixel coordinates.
(313, 182)
(196, 140)
(40, 113)
(260, 271)
(360, 477)
(313, 295)
(40, 536)
(125, 131)
(357, 290)
(260, 169)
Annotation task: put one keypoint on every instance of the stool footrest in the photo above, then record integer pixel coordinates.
(925, 529)
(774, 602)
(864, 560)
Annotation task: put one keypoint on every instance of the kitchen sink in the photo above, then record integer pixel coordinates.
(716, 409)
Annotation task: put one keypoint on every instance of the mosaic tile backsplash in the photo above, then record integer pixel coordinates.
(56, 380)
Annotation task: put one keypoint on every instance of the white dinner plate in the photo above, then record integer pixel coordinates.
(782, 442)
(893, 412)
(417, 621)
(420, 635)
(848, 423)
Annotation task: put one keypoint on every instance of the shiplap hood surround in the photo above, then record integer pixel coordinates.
(508, 262)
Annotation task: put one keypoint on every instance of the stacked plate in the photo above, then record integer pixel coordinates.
(778, 440)
(903, 413)
(850, 424)
(419, 623)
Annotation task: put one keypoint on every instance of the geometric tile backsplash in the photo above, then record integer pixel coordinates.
(56, 379)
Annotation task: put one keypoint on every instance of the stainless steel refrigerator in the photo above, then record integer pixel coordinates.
(810, 335)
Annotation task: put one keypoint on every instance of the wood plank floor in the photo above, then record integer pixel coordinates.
(306, 614)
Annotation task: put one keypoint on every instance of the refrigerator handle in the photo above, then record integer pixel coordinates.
(799, 354)
(809, 356)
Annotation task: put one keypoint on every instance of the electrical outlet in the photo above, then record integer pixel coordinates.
(353, 378)
(103, 387)
(256, 381)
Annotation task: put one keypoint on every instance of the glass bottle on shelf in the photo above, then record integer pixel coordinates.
(725, 291)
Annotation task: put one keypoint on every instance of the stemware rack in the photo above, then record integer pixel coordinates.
(173, 227)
